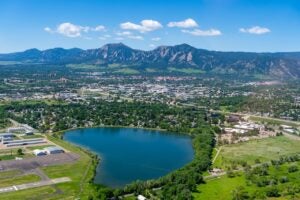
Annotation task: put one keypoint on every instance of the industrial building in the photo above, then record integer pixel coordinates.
(24, 142)
(22, 128)
(39, 152)
(6, 137)
(53, 150)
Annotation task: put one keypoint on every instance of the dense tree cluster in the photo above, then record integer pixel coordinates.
(62, 116)
(177, 185)
(271, 183)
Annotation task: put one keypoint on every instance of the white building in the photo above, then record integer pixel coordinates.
(38, 152)
(6, 137)
(141, 197)
(53, 150)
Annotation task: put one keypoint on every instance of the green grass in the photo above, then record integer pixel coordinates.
(9, 174)
(13, 156)
(44, 193)
(150, 70)
(9, 62)
(130, 198)
(221, 188)
(32, 136)
(115, 65)
(225, 108)
(82, 66)
(8, 151)
(38, 147)
(262, 77)
(78, 172)
(264, 150)
(10, 181)
(127, 71)
(186, 70)
(274, 121)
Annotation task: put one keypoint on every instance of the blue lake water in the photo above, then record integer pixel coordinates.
(129, 154)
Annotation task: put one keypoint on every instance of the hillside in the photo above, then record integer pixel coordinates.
(179, 58)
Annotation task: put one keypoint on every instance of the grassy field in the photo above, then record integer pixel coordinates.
(264, 150)
(9, 62)
(38, 147)
(32, 136)
(18, 180)
(82, 66)
(151, 70)
(8, 174)
(80, 173)
(10, 154)
(224, 185)
(186, 70)
(222, 188)
(32, 194)
(127, 71)
(274, 121)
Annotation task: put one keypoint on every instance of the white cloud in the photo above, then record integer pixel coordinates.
(47, 29)
(129, 35)
(156, 39)
(99, 28)
(152, 45)
(124, 33)
(188, 23)
(199, 32)
(135, 37)
(144, 26)
(255, 30)
(88, 38)
(119, 38)
(72, 30)
(104, 37)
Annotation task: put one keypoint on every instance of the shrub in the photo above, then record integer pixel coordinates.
(293, 168)
(272, 192)
(283, 179)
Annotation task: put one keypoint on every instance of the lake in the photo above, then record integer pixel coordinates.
(129, 154)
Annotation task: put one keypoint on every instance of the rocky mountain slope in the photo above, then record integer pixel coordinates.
(179, 57)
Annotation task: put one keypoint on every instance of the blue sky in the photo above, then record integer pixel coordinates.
(226, 25)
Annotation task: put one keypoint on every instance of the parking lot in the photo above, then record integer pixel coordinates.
(39, 161)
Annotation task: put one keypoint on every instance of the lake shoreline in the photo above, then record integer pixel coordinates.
(162, 133)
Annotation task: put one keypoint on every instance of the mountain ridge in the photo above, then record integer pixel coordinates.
(279, 64)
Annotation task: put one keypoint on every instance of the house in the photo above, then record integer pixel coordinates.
(53, 150)
(38, 152)
(141, 197)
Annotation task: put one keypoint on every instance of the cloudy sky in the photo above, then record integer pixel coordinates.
(226, 25)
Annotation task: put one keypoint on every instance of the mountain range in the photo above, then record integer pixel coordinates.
(180, 58)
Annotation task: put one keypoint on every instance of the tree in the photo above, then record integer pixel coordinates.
(292, 168)
(273, 192)
(20, 152)
(240, 194)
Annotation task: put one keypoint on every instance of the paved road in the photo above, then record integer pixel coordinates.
(34, 185)
(262, 117)
(39, 161)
